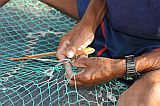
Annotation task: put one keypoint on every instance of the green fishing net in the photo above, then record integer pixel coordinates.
(29, 27)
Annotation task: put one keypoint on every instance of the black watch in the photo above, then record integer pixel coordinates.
(131, 73)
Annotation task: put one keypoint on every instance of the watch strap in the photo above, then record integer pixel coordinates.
(131, 73)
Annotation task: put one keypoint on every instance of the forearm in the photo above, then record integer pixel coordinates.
(2, 2)
(68, 7)
(95, 13)
(92, 17)
(144, 63)
(148, 62)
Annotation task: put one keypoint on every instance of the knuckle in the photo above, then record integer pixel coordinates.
(87, 78)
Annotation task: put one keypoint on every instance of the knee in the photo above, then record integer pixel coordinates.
(150, 93)
(153, 95)
(144, 92)
(153, 82)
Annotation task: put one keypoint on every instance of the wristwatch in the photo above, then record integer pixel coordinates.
(131, 73)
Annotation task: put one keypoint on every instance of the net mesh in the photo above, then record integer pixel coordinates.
(29, 27)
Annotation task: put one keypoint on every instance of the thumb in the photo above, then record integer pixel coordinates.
(73, 47)
(71, 51)
(80, 42)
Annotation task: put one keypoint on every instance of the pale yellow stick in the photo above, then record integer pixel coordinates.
(34, 56)
(79, 52)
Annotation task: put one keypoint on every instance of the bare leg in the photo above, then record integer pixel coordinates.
(2, 2)
(144, 92)
(69, 7)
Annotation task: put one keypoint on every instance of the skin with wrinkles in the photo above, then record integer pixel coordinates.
(95, 71)
(98, 70)
(148, 61)
(68, 40)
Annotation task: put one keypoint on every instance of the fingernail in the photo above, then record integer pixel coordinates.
(70, 54)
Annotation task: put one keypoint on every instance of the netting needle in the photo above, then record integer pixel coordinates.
(88, 50)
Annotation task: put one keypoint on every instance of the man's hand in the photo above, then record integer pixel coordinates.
(96, 70)
(83, 33)
(79, 37)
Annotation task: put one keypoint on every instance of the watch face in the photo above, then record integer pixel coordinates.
(132, 77)
(129, 78)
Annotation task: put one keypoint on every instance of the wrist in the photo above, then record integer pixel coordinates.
(95, 13)
(143, 64)
(88, 23)
(120, 68)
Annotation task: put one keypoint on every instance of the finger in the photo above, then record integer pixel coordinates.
(78, 83)
(71, 51)
(69, 73)
(88, 42)
(75, 83)
(83, 56)
(80, 79)
(80, 76)
(72, 80)
(62, 50)
(68, 69)
(81, 62)
(74, 45)
(77, 42)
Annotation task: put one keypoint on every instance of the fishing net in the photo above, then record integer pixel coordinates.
(29, 27)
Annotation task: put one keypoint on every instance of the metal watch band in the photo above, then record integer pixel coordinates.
(131, 73)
